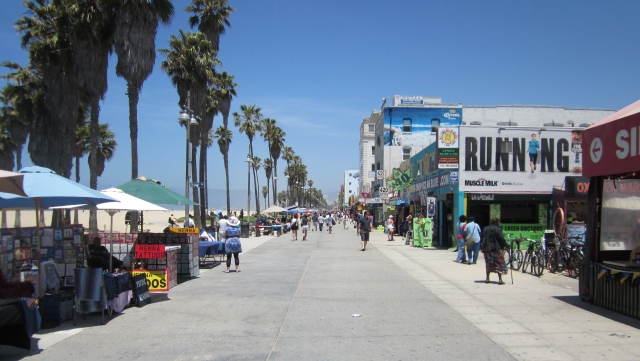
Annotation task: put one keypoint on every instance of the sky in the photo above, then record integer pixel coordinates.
(319, 67)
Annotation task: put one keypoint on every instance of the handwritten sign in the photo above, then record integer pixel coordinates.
(157, 279)
(147, 251)
(141, 290)
(184, 230)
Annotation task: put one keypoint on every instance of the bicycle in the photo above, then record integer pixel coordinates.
(576, 256)
(514, 255)
(533, 257)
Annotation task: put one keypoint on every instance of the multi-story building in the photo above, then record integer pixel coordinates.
(351, 180)
(367, 153)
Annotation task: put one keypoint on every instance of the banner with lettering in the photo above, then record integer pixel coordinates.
(498, 159)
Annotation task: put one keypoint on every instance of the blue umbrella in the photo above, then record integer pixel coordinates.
(46, 188)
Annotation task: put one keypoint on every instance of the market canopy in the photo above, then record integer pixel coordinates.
(274, 209)
(153, 192)
(48, 189)
(297, 210)
(612, 145)
(11, 182)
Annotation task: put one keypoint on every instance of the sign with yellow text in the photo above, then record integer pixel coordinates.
(157, 279)
(184, 230)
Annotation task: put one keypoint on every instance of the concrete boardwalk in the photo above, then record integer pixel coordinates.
(296, 301)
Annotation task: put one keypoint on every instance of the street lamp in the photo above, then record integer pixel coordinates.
(249, 162)
(187, 117)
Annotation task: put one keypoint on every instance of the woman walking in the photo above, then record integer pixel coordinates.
(294, 228)
(493, 246)
(390, 228)
(305, 227)
(232, 244)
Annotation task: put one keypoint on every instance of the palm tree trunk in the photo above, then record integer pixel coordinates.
(16, 222)
(133, 91)
(196, 198)
(275, 180)
(226, 173)
(94, 131)
(75, 212)
(203, 161)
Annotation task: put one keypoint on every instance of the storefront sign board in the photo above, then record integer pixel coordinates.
(147, 251)
(157, 279)
(497, 160)
(141, 290)
(184, 230)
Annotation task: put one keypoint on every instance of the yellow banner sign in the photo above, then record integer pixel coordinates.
(157, 279)
(184, 230)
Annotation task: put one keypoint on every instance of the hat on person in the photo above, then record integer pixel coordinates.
(233, 221)
(390, 217)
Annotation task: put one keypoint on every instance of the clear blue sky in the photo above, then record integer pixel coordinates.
(319, 67)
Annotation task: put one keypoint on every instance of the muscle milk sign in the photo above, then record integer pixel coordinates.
(499, 160)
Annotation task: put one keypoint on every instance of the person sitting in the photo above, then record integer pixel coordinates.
(173, 221)
(97, 251)
(207, 234)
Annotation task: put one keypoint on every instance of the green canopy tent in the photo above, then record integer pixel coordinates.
(154, 192)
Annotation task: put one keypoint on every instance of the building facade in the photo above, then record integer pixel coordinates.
(367, 153)
(351, 182)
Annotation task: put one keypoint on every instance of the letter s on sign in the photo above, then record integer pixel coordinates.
(621, 141)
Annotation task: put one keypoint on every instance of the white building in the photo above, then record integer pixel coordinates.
(367, 153)
(351, 182)
(532, 115)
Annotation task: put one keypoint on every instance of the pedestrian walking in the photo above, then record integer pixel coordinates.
(408, 229)
(232, 243)
(223, 223)
(305, 227)
(460, 227)
(294, 228)
(320, 222)
(364, 229)
(472, 231)
(314, 219)
(493, 246)
(390, 227)
(329, 221)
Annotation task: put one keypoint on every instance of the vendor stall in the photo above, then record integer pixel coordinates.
(611, 271)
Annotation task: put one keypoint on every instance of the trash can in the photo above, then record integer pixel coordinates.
(244, 230)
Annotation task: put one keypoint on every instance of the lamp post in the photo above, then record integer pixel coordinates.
(186, 116)
(249, 162)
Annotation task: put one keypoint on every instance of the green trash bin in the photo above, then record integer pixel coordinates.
(244, 230)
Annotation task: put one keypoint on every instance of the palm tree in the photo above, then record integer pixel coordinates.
(135, 45)
(282, 198)
(46, 33)
(81, 147)
(274, 136)
(268, 168)
(265, 193)
(211, 16)
(224, 136)
(190, 63)
(310, 184)
(288, 155)
(106, 147)
(249, 124)
(7, 147)
(256, 164)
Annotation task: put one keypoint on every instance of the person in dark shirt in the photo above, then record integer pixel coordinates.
(97, 251)
(364, 228)
(493, 246)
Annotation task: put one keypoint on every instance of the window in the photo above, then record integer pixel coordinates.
(373, 167)
(432, 163)
(373, 150)
(350, 191)
(406, 153)
(350, 176)
(519, 213)
(372, 128)
(349, 183)
(378, 141)
(406, 125)
(420, 169)
(619, 215)
(435, 123)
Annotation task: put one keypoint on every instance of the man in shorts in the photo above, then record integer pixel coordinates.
(364, 228)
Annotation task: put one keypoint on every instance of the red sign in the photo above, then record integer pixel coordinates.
(145, 251)
(612, 146)
(366, 195)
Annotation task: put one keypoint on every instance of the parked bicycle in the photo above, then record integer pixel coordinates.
(514, 254)
(533, 258)
(568, 256)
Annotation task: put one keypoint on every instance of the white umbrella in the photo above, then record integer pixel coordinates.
(274, 209)
(126, 203)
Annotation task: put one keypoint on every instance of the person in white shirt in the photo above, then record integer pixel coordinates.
(321, 221)
(188, 223)
(222, 226)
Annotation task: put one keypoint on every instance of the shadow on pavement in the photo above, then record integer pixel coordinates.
(585, 305)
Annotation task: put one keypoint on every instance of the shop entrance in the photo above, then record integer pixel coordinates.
(481, 212)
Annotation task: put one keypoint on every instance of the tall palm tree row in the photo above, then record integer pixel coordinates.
(274, 136)
(224, 136)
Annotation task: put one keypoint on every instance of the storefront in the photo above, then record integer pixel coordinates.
(500, 179)
(611, 271)
(569, 204)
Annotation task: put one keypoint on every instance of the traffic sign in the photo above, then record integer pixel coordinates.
(380, 174)
(197, 185)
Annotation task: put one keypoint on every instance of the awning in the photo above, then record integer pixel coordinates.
(612, 145)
